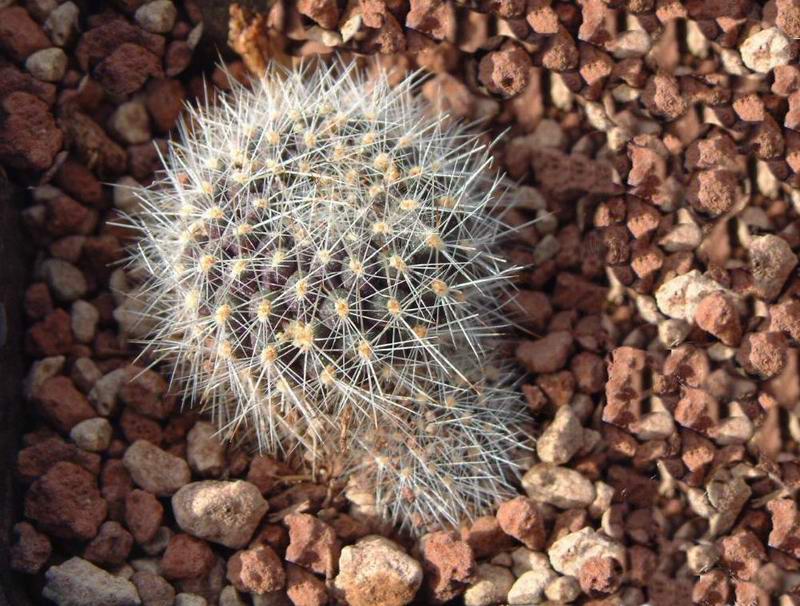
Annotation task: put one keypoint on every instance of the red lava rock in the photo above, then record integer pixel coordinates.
(13, 80)
(263, 471)
(697, 451)
(749, 108)
(66, 502)
(30, 551)
(713, 9)
(99, 42)
(486, 537)
(788, 17)
(787, 80)
(143, 515)
(186, 557)
(145, 394)
(29, 137)
(573, 292)
(594, 14)
(646, 260)
(115, 484)
(534, 397)
(324, 12)
(449, 565)
(541, 17)
(639, 490)
(521, 519)
(111, 546)
(559, 387)
(38, 302)
(687, 365)
(61, 404)
(78, 181)
(767, 140)
(715, 151)
(137, 427)
(177, 58)
(785, 533)
(741, 553)
(388, 39)
(642, 219)
(535, 308)
(92, 145)
(547, 354)
(560, 53)
(713, 191)
(507, 9)
(568, 175)
(100, 254)
(648, 157)
(712, 588)
(373, 12)
(153, 589)
(436, 57)
(274, 535)
(785, 317)
(303, 588)
(599, 576)
(312, 544)
(256, 570)
(450, 94)
(642, 563)
(664, 591)
(65, 216)
(717, 315)
(751, 593)
(505, 71)
(20, 35)
(595, 65)
(589, 371)
(615, 242)
(662, 97)
(436, 18)
(144, 160)
(164, 101)
(34, 460)
(698, 410)
(625, 386)
(126, 69)
(567, 522)
(763, 353)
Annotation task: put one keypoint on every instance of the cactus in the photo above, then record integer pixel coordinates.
(320, 268)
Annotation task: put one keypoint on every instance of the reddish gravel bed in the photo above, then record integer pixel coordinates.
(658, 144)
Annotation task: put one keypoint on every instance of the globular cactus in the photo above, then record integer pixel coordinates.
(321, 270)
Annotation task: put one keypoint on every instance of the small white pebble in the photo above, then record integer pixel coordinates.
(157, 17)
(62, 22)
(764, 51)
(124, 197)
(48, 64)
(563, 590)
(190, 599)
(93, 435)
(131, 122)
(83, 319)
(39, 9)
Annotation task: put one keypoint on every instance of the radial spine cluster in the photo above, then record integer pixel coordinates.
(319, 266)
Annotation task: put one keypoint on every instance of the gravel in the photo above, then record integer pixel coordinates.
(657, 145)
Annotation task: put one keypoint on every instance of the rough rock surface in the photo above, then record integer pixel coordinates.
(377, 571)
(76, 582)
(221, 512)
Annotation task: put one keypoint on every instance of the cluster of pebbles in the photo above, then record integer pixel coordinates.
(658, 144)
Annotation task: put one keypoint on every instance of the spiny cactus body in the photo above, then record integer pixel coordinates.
(320, 269)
